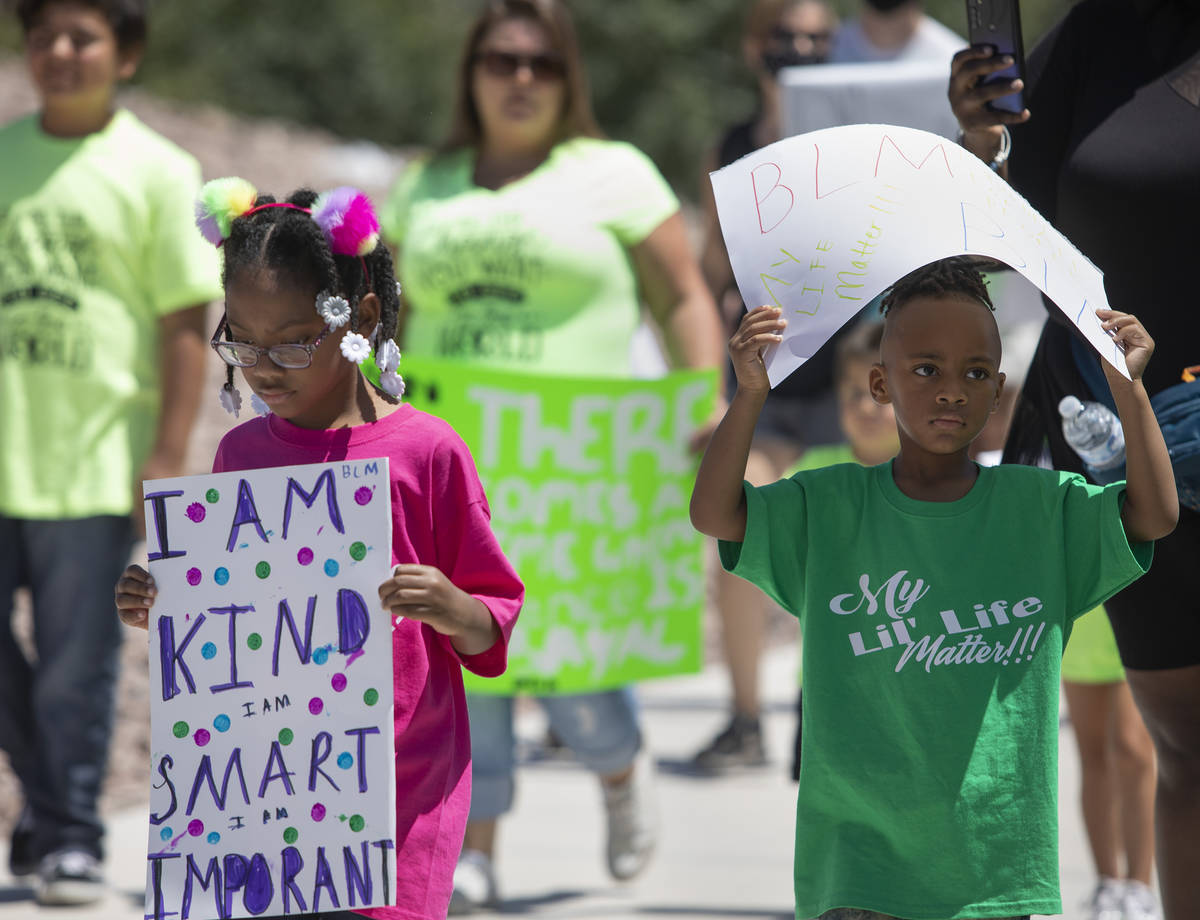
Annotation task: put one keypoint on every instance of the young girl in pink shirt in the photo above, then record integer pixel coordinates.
(308, 289)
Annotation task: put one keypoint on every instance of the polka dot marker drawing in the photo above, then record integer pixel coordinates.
(305, 556)
(165, 834)
(331, 568)
(371, 696)
(357, 823)
(221, 723)
(345, 760)
(221, 576)
(196, 827)
(208, 651)
(315, 705)
(363, 495)
(196, 512)
(318, 812)
(285, 736)
(358, 551)
(263, 569)
(202, 737)
(254, 642)
(194, 576)
(212, 496)
(290, 835)
(180, 729)
(213, 838)
(338, 682)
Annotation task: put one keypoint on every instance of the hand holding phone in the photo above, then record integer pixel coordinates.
(997, 24)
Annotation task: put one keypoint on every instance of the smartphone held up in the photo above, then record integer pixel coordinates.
(997, 24)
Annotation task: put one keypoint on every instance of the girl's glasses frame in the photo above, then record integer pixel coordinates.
(291, 357)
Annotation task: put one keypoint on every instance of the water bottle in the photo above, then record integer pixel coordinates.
(1094, 433)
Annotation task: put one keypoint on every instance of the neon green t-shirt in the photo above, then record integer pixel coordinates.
(534, 276)
(933, 633)
(97, 242)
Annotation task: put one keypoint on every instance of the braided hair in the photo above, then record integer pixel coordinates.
(291, 244)
(954, 275)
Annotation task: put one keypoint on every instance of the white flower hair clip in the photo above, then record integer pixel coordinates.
(355, 347)
(334, 309)
(392, 384)
(387, 356)
(231, 399)
(258, 405)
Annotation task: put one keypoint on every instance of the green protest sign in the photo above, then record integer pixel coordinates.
(588, 480)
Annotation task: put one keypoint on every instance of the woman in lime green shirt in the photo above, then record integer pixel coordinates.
(529, 242)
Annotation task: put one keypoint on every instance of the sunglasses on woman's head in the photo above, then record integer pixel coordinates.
(292, 357)
(543, 67)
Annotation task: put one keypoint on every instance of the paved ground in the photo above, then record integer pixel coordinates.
(726, 843)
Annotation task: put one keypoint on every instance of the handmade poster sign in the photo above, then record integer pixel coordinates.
(272, 783)
(588, 481)
(820, 223)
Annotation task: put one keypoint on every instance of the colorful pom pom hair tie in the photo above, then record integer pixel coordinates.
(345, 215)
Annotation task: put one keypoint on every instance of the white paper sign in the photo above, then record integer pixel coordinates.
(272, 766)
(820, 223)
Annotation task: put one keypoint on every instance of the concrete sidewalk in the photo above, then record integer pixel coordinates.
(725, 848)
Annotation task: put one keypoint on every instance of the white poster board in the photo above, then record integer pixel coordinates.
(272, 766)
(820, 223)
(908, 93)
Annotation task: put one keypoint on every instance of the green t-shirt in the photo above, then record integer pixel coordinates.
(933, 633)
(535, 276)
(97, 242)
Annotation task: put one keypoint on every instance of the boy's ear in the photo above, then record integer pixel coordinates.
(1000, 378)
(877, 381)
(128, 61)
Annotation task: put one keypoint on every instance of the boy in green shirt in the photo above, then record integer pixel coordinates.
(934, 597)
(103, 282)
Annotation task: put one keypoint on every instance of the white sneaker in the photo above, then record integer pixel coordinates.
(1105, 902)
(1139, 903)
(69, 878)
(474, 883)
(632, 819)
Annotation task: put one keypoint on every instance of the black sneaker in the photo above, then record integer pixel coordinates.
(70, 877)
(21, 859)
(739, 745)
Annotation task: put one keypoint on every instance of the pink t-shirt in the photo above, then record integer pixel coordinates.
(440, 517)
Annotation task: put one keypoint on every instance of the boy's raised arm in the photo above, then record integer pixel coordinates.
(1151, 507)
(718, 506)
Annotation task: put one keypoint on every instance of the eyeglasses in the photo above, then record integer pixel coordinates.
(291, 357)
(542, 67)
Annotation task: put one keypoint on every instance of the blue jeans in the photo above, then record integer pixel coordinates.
(56, 712)
(600, 728)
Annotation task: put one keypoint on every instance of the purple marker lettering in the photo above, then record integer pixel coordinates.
(170, 656)
(303, 647)
(260, 890)
(358, 875)
(156, 865)
(322, 746)
(275, 760)
(384, 845)
(246, 513)
(324, 480)
(211, 874)
(361, 734)
(204, 774)
(164, 763)
(292, 864)
(158, 505)
(232, 611)
(354, 620)
(324, 880)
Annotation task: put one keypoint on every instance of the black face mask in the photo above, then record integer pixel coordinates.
(775, 61)
(885, 6)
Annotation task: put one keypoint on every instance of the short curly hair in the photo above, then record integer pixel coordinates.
(127, 18)
(953, 275)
